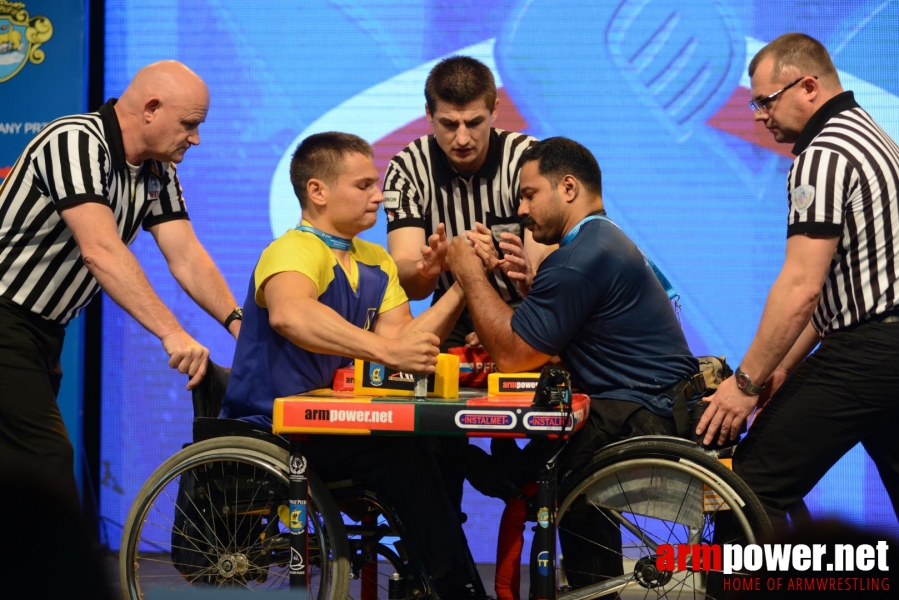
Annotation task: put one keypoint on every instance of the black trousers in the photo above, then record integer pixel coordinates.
(846, 393)
(402, 472)
(33, 436)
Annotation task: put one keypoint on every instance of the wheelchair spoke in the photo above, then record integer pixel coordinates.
(655, 493)
(212, 513)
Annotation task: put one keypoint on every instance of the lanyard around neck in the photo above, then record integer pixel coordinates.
(669, 289)
(331, 241)
(574, 230)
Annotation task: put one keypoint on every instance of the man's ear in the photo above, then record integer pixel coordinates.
(152, 105)
(317, 192)
(812, 88)
(493, 113)
(569, 187)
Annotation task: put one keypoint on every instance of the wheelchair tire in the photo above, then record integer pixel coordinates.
(653, 490)
(209, 517)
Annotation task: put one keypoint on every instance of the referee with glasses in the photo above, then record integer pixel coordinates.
(839, 286)
(72, 203)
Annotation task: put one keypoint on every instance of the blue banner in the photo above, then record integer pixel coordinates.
(686, 172)
(43, 77)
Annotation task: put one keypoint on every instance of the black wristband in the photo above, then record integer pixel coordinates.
(236, 315)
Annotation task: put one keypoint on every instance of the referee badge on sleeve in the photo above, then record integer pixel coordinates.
(802, 197)
(153, 188)
(391, 200)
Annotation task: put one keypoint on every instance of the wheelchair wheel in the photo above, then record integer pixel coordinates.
(214, 515)
(637, 495)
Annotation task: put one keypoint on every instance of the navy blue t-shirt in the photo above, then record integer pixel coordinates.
(597, 304)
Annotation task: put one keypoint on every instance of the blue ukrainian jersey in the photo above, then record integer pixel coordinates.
(266, 365)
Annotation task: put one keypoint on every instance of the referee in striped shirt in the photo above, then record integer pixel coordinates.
(838, 287)
(460, 180)
(68, 209)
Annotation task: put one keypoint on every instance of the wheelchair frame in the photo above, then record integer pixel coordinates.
(639, 484)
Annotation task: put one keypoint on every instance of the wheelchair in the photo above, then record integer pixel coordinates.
(655, 490)
(215, 515)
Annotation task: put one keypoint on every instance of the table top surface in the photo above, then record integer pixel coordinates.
(473, 414)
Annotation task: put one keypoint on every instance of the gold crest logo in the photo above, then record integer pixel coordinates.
(376, 374)
(21, 37)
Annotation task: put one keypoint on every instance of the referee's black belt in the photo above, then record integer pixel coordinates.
(890, 316)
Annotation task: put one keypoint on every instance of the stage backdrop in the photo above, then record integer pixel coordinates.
(42, 77)
(656, 89)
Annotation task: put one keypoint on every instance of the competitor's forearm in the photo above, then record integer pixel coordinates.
(440, 318)
(317, 328)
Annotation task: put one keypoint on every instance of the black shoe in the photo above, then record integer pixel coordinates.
(486, 475)
(521, 465)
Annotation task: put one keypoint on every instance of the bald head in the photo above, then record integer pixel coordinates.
(160, 112)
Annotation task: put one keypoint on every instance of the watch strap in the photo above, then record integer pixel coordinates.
(747, 386)
(236, 315)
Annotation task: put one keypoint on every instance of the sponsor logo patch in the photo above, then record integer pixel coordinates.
(391, 200)
(483, 419)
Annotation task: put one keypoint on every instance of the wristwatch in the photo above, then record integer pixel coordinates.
(745, 385)
(236, 315)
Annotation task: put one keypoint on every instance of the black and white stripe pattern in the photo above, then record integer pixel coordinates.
(429, 193)
(73, 160)
(853, 166)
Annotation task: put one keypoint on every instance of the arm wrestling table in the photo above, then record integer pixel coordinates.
(473, 414)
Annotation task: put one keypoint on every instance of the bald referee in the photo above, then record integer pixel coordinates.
(839, 286)
(72, 203)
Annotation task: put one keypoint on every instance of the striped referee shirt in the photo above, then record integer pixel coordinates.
(845, 182)
(73, 160)
(421, 189)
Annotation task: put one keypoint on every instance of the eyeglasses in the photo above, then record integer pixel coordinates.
(758, 106)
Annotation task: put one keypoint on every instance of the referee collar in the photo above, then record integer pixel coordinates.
(834, 106)
(113, 134)
(444, 172)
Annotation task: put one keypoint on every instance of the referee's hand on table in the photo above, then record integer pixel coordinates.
(187, 355)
